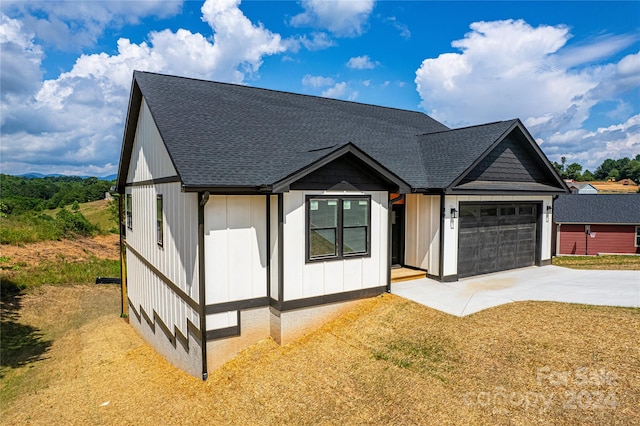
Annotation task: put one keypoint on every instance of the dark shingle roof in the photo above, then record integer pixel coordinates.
(221, 134)
(597, 209)
(448, 154)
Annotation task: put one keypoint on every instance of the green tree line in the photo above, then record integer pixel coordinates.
(23, 194)
(625, 168)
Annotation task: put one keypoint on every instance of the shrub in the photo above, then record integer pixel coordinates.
(73, 224)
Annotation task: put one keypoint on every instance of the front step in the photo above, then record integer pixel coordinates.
(406, 274)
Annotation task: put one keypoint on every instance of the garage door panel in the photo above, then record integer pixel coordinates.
(496, 237)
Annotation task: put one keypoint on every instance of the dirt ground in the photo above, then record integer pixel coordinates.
(100, 246)
(389, 361)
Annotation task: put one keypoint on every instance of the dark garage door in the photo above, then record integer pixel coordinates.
(495, 237)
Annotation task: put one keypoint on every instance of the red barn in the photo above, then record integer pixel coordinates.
(597, 224)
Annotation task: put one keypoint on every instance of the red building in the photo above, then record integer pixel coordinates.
(597, 224)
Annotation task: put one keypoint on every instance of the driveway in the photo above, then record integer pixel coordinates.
(547, 283)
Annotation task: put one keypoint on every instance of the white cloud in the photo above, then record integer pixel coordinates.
(405, 33)
(316, 81)
(76, 120)
(508, 69)
(362, 63)
(69, 25)
(317, 41)
(20, 65)
(591, 148)
(341, 17)
(340, 91)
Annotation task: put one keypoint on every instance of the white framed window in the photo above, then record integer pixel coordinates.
(159, 221)
(638, 236)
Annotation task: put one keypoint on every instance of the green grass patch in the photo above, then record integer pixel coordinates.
(60, 272)
(99, 213)
(423, 355)
(610, 262)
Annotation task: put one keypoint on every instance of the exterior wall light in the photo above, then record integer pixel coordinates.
(454, 213)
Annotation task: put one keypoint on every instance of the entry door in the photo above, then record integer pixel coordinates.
(496, 237)
(397, 234)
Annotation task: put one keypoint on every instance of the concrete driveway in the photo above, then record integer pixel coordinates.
(547, 283)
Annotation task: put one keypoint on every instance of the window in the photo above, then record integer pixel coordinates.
(129, 210)
(638, 236)
(159, 222)
(338, 227)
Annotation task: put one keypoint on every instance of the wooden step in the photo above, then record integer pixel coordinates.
(406, 274)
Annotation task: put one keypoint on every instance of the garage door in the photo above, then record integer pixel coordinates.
(495, 237)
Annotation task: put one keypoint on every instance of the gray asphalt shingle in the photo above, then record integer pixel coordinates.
(597, 208)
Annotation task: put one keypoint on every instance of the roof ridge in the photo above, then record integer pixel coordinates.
(469, 127)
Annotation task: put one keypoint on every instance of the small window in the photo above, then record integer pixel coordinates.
(489, 211)
(507, 211)
(638, 236)
(159, 221)
(129, 210)
(526, 211)
(338, 227)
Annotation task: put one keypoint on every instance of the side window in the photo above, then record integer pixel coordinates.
(129, 211)
(159, 220)
(638, 236)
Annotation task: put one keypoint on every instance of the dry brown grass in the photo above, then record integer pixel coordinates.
(389, 361)
(613, 262)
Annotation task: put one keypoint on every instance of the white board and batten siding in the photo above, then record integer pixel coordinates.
(303, 280)
(451, 225)
(422, 232)
(235, 245)
(177, 258)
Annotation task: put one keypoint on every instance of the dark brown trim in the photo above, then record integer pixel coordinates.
(441, 254)
(222, 333)
(177, 290)
(173, 337)
(280, 248)
(203, 198)
(268, 214)
(123, 259)
(158, 181)
(236, 305)
(449, 278)
(131, 125)
(290, 305)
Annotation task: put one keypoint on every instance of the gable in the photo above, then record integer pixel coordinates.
(149, 157)
(344, 173)
(512, 164)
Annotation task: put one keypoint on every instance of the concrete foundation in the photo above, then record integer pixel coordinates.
(291, 325)
(254, 326)
(189, 360)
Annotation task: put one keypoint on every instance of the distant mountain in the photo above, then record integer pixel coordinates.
(34, 175)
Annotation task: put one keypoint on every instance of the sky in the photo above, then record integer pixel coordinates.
(570, 71)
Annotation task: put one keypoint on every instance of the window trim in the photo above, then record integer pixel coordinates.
(637, 236)
(159, 220)
(340, 255)
(129, 210)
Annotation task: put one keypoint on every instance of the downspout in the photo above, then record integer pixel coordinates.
(123, 259)
(441, 266)
(202, 201)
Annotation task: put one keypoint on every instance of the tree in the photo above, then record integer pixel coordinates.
(573, 172)
(587, 175)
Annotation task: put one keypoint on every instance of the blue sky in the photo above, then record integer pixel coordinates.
(569, 70)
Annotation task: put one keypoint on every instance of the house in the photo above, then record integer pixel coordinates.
(595, 224)
(581, 187)
(250, 213)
